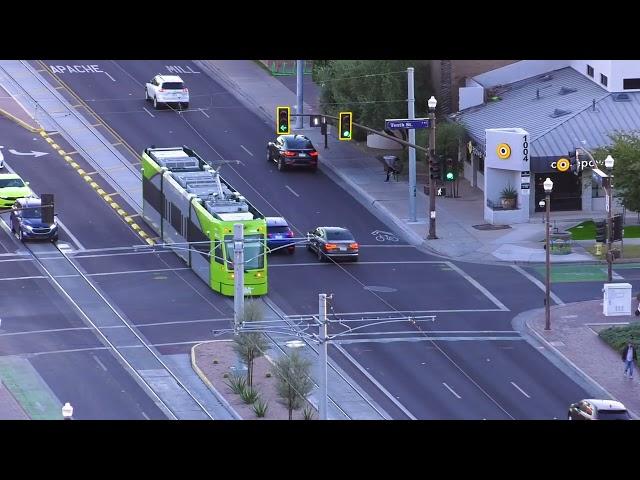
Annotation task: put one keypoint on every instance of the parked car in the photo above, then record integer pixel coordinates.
(165, 90)
(26, 221)
(334, 243)
(292, 151)
(279, 234)
(12, 187)
(592, 409)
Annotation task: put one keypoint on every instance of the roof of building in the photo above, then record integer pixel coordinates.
(557, 109)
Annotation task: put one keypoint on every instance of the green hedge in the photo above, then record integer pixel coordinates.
(617, 337)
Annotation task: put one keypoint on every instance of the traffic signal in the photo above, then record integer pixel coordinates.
(283, 121)
(601, 231)
(450, 172)
(617, 228)
(345, 124)
(47, 211)
(435, 168)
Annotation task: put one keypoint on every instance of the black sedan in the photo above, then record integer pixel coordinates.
(292, 151)
(333, 242)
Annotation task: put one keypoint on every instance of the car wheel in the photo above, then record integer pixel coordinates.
(185, 106)
(569, 417)
(20, 235)
(54, 239)
(281, 166)
(269, 155)
(146, 95)
(155, 103)
(321, 257)
(354, 259)
(309, 247)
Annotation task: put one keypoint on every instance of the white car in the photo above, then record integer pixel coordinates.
(167, 89)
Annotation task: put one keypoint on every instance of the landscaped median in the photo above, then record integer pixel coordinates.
(618, 337)
(587, 231)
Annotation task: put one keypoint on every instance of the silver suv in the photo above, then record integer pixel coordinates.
(592, 409)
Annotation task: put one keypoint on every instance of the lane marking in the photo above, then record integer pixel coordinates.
(71, 235)
(426, 339)
(451, 390)
(476, 284)
(13, 279)
(145, 415)
(399, 262)
(205, 114)
(145, 109)
(291, 190)
(99, 363)
(538, 283)
(399, 312)
(91, 349)
(521, 390)
(246, 150)
(99, 274)
(362, 370)
(107, 74)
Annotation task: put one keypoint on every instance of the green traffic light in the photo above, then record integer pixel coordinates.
(346, 133)
(449, 175)
(283, 127)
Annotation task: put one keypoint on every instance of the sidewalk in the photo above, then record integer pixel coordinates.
(458, 237)
(10, 409)
(573, 339)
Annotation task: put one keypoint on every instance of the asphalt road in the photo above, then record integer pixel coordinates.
(478, 302)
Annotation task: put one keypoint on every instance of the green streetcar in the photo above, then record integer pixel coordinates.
(187, 203)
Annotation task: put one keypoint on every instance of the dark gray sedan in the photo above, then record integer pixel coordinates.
(334, 243)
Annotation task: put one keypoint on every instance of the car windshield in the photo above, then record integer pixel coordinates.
(172, 86)
(277, 229)
(32, 213)
(339, 235)
(613, 415)
(11, 182)
(299, 143)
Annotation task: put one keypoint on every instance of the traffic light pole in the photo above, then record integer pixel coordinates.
(238, 274)
(609, 232)
(412, 151)
(300, 95)
(432, 182)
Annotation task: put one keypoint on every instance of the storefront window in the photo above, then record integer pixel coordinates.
(596, 190)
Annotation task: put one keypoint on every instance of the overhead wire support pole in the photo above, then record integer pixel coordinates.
(412, 151)
(238, 274)
(299, 93)
(322, 356)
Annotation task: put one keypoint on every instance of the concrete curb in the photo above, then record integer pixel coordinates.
(206, 381)
(23, 124)
(520, 323)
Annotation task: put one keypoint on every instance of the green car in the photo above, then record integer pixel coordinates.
(11, 188)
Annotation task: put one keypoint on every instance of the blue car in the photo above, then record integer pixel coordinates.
(26, 221)
(279, 235)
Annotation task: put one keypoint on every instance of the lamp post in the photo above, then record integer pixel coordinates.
(67, 411)
(548, 186)
(608, 163)
(432, 102)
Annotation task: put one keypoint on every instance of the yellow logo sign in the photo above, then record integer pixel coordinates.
(503, 151)
(563, 165)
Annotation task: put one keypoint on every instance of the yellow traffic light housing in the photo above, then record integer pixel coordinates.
(346, 125)
(283, 120)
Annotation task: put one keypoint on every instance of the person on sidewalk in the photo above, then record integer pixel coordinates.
(628, 357)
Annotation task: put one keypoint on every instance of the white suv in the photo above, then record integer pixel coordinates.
(166, 89)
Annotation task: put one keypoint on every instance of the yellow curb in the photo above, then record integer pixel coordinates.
(94, 185)
(107, 198)
(75, 165)
(122, 212)
(68, 158)
(135, 226)
(150, 242)
(81, 171)
(49, 140)
(62, 152)
(43, 133)
(101, 192)
(128, 219)
(21, 123)
(142, 233)
(114, 205)
(87, 178)
(55, 146)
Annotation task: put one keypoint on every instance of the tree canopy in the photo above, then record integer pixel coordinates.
(625, 149)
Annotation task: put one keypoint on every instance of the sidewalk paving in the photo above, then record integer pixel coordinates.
(10, 409)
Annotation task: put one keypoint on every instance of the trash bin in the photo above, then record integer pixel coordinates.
(560, 243)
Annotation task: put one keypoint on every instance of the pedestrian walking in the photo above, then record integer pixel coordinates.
(638, 307)
(628, 357)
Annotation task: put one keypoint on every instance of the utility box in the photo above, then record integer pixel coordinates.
(617, 299)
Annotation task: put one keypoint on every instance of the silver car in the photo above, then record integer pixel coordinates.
(334, 243)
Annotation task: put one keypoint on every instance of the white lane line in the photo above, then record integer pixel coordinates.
(145, 109)
(538, 283)
(291, 190)
(451, 390)
(400, 262)
(99, 363)
(246, 150)
(375, 382)
(476, 284)
(521, 390)
(107, 74)
(156, 270)
(91, 349)
(145, 416)
(205, 114)
(427, 339)
(23, 278)
(399, 312)
(71, 235)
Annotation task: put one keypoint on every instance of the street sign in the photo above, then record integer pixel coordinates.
(399, 123)
(525, 182)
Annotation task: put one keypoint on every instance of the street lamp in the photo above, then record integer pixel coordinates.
(608, 163)
(432, 102)
(67, 411)
(548, 186)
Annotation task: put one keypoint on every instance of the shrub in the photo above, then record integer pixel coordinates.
(237, 383)
(308, 413)
(260, 407)
(617, 337)
(249, 395)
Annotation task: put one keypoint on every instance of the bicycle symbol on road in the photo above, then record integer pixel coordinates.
(382, 236)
